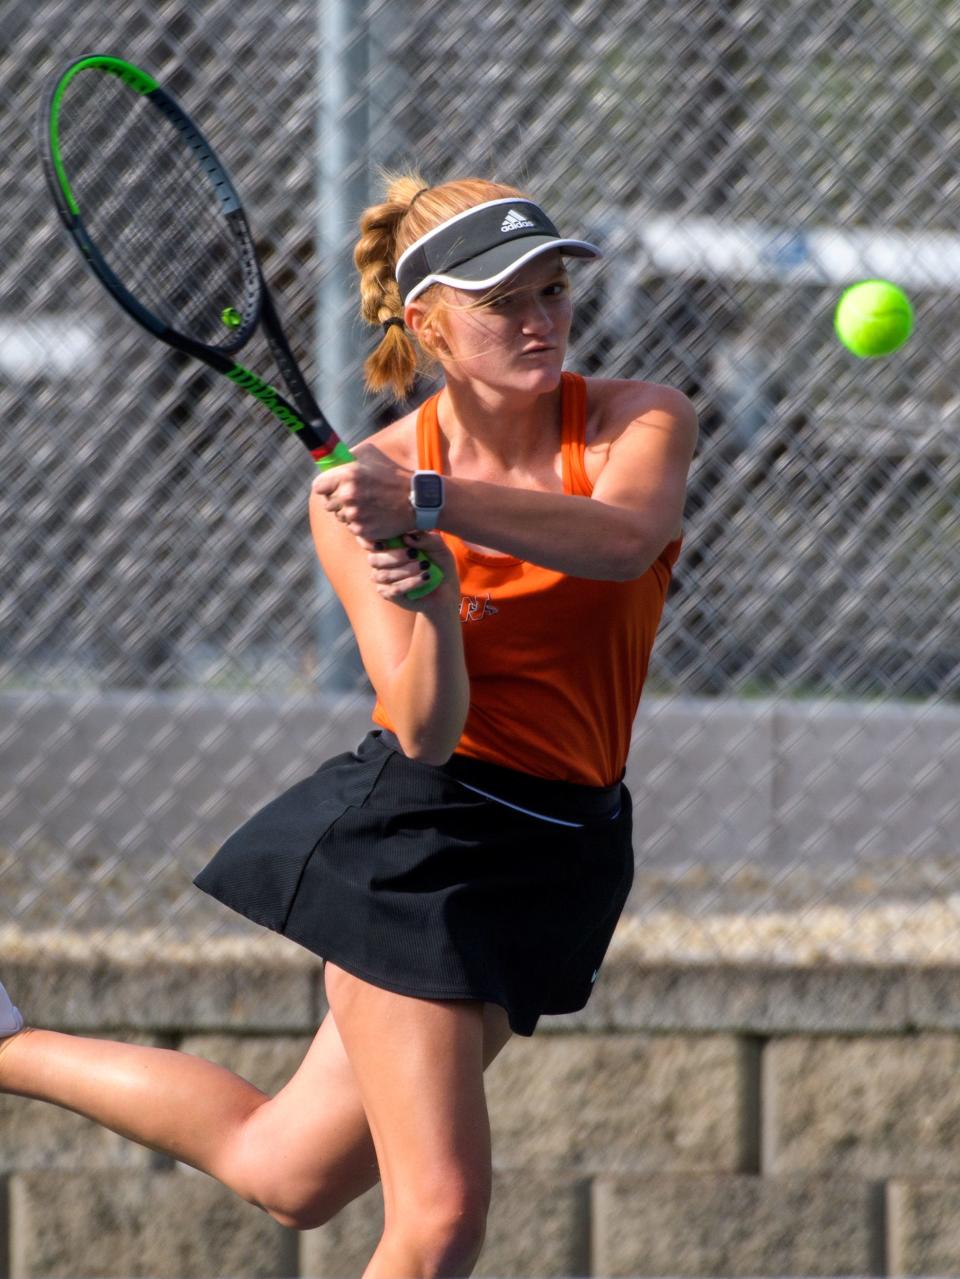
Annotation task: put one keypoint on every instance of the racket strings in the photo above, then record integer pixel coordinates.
(151, 209)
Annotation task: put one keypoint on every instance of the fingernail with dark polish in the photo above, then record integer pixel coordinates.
(412, 553)
(426, 575)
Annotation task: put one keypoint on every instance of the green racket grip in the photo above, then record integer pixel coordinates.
(426, 566)
(339, 456)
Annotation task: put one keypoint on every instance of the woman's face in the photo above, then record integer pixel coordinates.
(513, 338)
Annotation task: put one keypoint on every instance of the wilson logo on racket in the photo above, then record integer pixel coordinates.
(266, 394)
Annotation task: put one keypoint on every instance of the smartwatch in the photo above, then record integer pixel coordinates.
(426, 498)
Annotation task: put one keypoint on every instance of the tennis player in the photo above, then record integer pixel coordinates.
(461, 872)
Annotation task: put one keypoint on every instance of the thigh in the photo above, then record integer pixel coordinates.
(418, 1065)
(316, 1127)
(307, 1152)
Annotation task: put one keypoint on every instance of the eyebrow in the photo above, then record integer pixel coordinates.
(505, 287)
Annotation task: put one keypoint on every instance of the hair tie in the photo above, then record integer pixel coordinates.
(416, 198)
(394, 319)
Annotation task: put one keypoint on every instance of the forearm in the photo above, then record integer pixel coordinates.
(427, 695)
(574, 535)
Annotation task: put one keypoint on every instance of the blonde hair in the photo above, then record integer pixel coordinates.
(410, 209)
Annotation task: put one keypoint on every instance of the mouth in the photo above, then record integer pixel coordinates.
(541, 349)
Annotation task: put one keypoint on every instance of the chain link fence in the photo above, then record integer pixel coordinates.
(169, 656)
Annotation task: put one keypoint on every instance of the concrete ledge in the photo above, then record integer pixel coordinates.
(263, 983)
(747, 998)
(77, 984)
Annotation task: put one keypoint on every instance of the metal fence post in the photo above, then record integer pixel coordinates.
(342, 190)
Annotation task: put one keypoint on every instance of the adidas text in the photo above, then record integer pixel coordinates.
(515, 221)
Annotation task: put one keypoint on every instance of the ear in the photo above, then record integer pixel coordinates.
(414, 316)
(427, 332)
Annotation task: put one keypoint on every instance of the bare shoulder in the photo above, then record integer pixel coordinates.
(614, 404)
(397, 441)
(628, 416)
(641, 454)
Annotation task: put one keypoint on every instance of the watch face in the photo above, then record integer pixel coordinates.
(428, 491)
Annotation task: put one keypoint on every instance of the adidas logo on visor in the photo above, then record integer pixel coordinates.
(515, 221)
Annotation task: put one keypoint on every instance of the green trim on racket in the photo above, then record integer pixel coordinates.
(137, 80)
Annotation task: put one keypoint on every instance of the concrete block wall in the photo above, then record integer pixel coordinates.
(774, 781)
(701, 1121)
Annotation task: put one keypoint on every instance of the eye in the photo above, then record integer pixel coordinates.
(557, 289)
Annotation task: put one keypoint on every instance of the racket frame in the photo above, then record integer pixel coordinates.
(300, 414)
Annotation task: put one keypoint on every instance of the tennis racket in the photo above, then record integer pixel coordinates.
(158, 221)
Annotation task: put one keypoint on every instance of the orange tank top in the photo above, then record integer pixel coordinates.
(556, 663)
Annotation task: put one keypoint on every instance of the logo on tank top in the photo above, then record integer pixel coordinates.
(474, 608)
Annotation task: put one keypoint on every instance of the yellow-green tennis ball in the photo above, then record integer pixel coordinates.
(873, 317)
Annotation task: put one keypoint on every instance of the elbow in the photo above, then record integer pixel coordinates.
(436, 758)
(433, 743)
(627, 560)
(628, 566)
(428, 721)
(635, 556)
(424, 751)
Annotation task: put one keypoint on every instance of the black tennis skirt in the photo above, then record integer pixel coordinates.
(456, 881)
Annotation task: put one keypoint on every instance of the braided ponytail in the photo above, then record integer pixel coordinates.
(393, 365)
(409, 210)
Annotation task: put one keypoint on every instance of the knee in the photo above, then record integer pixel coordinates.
(299, 1218)
(300, 1202)
(446, 1233)
(301, 1210)
(452, 1231)
(299, 1194)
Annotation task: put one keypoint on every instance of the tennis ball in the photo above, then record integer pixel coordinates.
(873, 317)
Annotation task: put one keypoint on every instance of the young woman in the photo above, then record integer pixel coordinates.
(462, 871)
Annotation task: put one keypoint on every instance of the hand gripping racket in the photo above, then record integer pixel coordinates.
(158, 221)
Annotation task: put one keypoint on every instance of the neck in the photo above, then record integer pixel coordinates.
(507, 428)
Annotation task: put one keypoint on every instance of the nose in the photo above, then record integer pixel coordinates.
(535, 317)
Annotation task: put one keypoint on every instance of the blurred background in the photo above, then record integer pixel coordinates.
(169, 655)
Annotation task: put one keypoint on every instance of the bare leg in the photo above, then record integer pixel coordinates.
(300, 1155)
(419, 1068)
(110, 1082)
(170, 1101)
